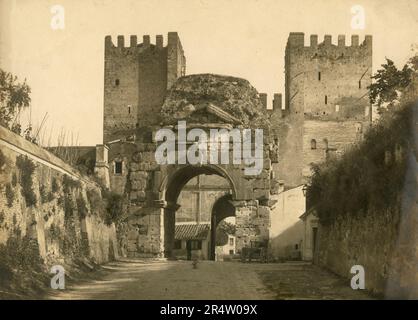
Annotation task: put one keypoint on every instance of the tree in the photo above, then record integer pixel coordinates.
(222, 231)
(14, 96)
(390, 82)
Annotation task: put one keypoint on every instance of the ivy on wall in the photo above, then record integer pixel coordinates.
(114, 207)
(27, 168)
(369, 176)
(81, 207)
(2, 161)
(10, 195)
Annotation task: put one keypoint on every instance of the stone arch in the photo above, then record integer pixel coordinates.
(170, 190)
(172, 184)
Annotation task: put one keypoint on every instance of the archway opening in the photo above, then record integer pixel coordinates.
(191, 192)
(222, 228)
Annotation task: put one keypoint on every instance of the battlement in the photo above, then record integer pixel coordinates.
(263, 98)
(137, 77)
(276, 103)
(297, 40)
(146, 41)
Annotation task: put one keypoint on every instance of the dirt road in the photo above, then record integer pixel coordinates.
(151, 279)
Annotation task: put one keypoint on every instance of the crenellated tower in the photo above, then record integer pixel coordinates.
(136, 80)
(326, 101)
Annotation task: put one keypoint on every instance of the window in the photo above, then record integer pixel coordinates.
(118, 167)
(359, 84)
(326, 99)
(337, 108)
(196, 244)
(117, 82)
(129, 109)
(231, 251)
(319, 76)
(313, 144)
(231, 241)
(326, 144)
(177, 244)
(296, 246)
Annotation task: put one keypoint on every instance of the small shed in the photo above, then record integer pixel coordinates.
(192, 240)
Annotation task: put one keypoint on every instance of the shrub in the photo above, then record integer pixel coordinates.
(114, 207)
(10, 195)
(54, 185)
(50, 196)
(43, 194)
(2, 160)
(20, 255)
(362, 179)
(68, 184)
(54, 232)
(14, 179)
(81, 207)
(68, 207)
(95, 199)
(27, 168)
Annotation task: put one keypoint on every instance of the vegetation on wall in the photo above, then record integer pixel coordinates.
(19, 259)
(109, 205)
(10, 195)
(372, 174)
(54, 231)
(68, 207)
(54, 185)
(81, 207)
(43, 194)
(114, 207)
(2, 160)
(14, 179)
(27, 168)
(95, 199)
(69, 184)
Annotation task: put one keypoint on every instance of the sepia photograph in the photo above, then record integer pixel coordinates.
(221, 151)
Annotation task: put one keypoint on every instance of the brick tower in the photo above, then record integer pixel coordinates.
(136, 80)
(326, 102)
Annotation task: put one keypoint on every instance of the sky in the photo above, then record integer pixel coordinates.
(244, 38)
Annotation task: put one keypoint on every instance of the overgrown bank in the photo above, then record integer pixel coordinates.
(366, 203)
(49, 217)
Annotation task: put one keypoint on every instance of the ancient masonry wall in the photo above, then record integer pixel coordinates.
(384, 240)
(390, 267)
(147, 229)
(45, 199)
(325, 98)
(136, 80)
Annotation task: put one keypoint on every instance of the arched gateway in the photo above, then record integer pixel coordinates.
(152, 187)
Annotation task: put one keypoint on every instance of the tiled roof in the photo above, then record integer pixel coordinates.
(192, 231)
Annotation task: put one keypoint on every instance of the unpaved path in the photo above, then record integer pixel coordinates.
(151, 279)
